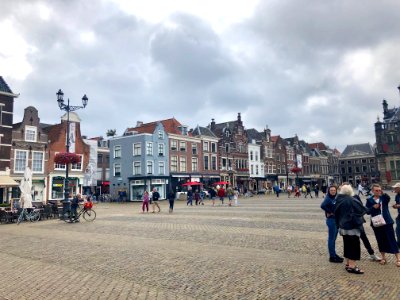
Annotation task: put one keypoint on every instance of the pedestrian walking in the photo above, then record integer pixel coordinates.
(316, 190)
(189, 197)
(397, 206)
(221, 194)
(171, 199)
(328, 205)
(202, 196)
(154, 199)
(277, 190)
(378, 204)
(297, 191)
(360, 189)
(212, 193)
(229, 193)
(145, 204)
(196, 197)
(236, 196)
(324, 189)
(349, 217)
(308, 191)
(289, 190)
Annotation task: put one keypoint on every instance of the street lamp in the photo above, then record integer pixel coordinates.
(68, 108)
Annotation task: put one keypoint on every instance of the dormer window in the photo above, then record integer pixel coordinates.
(227, 133)
(183, 130)
(30, 133)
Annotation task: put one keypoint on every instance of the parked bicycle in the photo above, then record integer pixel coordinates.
(33, 215)
(86, 211)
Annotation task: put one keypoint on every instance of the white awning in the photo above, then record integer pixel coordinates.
(6, 180)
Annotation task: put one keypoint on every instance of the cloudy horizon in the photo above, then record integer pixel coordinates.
(316, 69)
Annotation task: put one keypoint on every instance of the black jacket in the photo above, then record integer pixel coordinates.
(349, 212)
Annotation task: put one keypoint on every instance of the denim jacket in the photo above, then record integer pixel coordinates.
(328, 205)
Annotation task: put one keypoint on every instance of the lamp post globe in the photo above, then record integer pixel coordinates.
(68, 108)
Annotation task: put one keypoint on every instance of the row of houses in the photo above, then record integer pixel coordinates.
(165, 154)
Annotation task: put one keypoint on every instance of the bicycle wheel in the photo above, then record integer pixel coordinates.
(89, 215)
(20, 218)
(35, 216)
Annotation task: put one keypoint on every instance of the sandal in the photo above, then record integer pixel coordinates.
(383, 262)
(346, 267)
(398, 263)
(355, 270)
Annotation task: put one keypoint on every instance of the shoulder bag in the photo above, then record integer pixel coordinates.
(378, 220)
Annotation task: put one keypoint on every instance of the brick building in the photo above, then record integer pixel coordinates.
(57, 143)
(233, 152)
(29, 149)
(6, 121)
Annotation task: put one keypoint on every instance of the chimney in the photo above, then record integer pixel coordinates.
(139, 123)
(212, 125)
(239, 118)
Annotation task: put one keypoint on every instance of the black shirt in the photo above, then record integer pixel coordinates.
(155, 196)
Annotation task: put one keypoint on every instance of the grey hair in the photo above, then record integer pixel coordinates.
(346, 189)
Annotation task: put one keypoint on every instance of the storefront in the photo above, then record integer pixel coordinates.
(138, 186)
(57, 187)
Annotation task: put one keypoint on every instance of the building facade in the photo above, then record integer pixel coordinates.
(29, 149)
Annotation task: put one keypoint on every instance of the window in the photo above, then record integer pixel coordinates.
(117, 169)
(174, 163)
(194, 163)
(182, 163)
(21, 160)
(149, 167)
(117, 151)
(99, 159)
(149, 148)
(205, 162)
(37, 162)
(224, 163)
(160, 149)
(161, 168)
(194, 149)
(137, 149)
(137, 168)
(160, 134)
(30, 133)
(205, 146)
(182, 146)
(227, 148)
(252, 169)
(256, 156)
(256, 170)
(174, 145)
(214, 147)
(213, 162)
(78, 166)
(59, 167)
(251, 156)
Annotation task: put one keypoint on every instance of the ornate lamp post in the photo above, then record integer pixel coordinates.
(68, 108)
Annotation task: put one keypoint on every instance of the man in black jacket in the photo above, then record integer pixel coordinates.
(154, 200)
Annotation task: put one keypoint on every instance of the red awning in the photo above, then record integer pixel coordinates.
(105, 183)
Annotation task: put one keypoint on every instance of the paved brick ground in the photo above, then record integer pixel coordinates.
(264, 249)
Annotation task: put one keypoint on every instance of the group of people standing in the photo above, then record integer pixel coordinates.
(345, 212)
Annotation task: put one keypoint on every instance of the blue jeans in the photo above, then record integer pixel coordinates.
(398, 230)
(332, 235)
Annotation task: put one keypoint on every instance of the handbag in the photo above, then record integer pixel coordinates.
(378, 220)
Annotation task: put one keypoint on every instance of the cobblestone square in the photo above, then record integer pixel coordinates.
(266, 248)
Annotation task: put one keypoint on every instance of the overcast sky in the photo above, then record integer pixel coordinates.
(318, 69)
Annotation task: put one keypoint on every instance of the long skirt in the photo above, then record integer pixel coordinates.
(385, 238)
(351, 247)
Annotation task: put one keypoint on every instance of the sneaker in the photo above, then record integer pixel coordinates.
(335, 260)
(373, 257)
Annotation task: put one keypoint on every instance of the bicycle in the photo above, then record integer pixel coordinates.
(88, 214)
(33, 215)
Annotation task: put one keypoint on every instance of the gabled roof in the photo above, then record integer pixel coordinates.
(358, 150)
(203, 131)
(253, 134)
(275, 138)
(319, 146)
(170, 126)
(4, 86)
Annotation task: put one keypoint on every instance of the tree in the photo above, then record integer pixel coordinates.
(111, 132)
